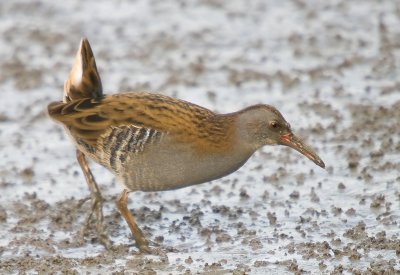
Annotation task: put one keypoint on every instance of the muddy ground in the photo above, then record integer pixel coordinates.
(331, 67)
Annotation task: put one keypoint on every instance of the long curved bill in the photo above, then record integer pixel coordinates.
(294, 142)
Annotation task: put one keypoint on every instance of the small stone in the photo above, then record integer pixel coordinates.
(378, 201)
(3, 215)
(260, 263)
(294, 195)
(350, 212)
(272, 218)
(341, 186)
(189, 260)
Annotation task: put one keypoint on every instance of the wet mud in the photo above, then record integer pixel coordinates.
(331, 67)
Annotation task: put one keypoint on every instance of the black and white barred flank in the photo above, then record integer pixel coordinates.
(120, 142)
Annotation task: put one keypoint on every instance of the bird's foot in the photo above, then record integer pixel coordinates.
(97, 209)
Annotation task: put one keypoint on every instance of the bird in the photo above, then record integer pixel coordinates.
(153, 142)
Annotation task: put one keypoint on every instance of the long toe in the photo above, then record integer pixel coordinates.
(104, 240)
(142, 244)
(101, 230)
(97, 210)
(145, 249)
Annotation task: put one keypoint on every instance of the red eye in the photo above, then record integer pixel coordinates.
(274, 124)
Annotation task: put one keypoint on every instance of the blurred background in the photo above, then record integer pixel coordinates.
(331, 67)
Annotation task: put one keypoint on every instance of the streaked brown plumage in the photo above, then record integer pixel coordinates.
(89, 119)
(153, 142)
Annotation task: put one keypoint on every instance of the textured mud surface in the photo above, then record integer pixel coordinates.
(331, 67)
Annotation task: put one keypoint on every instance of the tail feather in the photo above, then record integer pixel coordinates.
(81, 117)
(83, 80)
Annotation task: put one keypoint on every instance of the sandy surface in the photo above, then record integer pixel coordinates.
(331, 67)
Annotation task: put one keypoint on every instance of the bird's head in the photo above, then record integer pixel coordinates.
(261, 125)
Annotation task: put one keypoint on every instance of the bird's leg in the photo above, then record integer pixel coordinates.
(97, 202)
(141, 242)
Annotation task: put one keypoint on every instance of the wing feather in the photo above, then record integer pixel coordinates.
(87, 119)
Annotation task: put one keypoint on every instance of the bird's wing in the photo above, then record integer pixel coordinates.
(89, 119)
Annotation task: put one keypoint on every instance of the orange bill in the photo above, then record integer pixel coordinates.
(294, 142)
